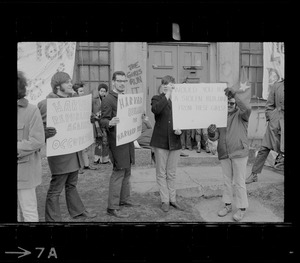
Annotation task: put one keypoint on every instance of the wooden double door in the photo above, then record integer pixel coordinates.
(186, 63)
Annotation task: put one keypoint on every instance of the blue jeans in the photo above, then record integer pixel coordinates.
(73, 200)
(119, 187)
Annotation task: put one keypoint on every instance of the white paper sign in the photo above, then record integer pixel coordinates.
(71, 118)
(198, 105)
(130, 110)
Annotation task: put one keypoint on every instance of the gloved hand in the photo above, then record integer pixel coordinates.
(94, 118)
(230, 92)
(211, 130)
(49, 132)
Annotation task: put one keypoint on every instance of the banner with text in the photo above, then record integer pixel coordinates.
(130, 110)
(273, 65)
(71, 118)
(40, 61)
(198, 105)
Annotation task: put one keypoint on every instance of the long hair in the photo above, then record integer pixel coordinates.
(59, 78)
(22, 84)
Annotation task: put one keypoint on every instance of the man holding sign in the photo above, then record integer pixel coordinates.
(64, 167)
(122, 156)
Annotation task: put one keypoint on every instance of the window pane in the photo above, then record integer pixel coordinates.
(104, 73)
(94, 88)
(254, 46)
(84, 44)
(253, 92)
(83, 57)
(94, 72)
(94, 44)
(253, 60)
(104, 57)
(252, 74)
(245, 60)
(259, 76)
(198, 59)
(245, 45)
(168, 58)
(104, 44)
(259, 90)
(83, 73)
(94, 57)
(260, 60)
(187, 59)
(157, 58)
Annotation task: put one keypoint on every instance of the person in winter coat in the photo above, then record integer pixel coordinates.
(64, 168)
(101, 154)
(166, 143)
(233, 153)
(274, 135)
(31, 139)
(121, 156)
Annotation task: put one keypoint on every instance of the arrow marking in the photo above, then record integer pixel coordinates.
(24, 252)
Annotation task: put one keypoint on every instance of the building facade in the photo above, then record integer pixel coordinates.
(146, 63)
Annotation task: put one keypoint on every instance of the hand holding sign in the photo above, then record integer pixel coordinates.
(114, 121)
(177, 132)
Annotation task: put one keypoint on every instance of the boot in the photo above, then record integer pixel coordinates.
(198, 147)
(252, 178)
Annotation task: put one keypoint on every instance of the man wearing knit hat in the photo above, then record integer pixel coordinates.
(64, 168)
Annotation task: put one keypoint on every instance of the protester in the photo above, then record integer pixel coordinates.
(30, 140)
(79, 89)
(101, 154)
(233, 152)
(64, 168)
(186, 139)
(146, 135)
(274, 135)
(201, 139)
(122, 156)
(166, 143)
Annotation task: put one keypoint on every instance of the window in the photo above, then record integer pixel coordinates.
(93, 64)
(252, 60)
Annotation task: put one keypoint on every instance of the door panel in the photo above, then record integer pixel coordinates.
(184, 63)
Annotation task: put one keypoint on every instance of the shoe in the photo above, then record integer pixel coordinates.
(165, 207)
(177, 206)
(199, 150)
(85, 214)
(89, 168)
(80, 171)
(129, 204)
(252, 178)
(226, 209)
(116, 213)
(183, 154)
(190, 148)
(238, 216)
(97, 162)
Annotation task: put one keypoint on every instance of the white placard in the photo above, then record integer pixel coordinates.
(71, 119)
(198, 105)
(130, 110)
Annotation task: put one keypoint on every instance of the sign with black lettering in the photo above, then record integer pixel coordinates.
(71, 119)
(130, 110)
(198, 105)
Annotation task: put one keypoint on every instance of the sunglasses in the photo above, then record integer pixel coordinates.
(231, 103)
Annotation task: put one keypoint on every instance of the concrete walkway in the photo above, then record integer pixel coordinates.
(196, 177)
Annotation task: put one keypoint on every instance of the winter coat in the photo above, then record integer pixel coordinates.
(233, 139)
(122, 156)
(31, 138)
(163, 133)
(60, 164)
(275, 118)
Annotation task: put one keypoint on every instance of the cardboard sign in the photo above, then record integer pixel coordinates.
(71, 118)
(130, 110)
(198, 105)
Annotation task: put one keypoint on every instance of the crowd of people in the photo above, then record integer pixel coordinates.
(165, 143)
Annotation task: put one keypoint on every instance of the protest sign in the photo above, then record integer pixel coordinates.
(130, 110)
(71, 119)
(198, 105)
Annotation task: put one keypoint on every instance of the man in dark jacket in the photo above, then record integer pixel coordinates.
(166, 144)
(121, 156)
(233, 153)
(64, 168)
(274, 135)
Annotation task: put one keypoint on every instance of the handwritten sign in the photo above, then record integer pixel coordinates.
(130, 110)
(71, 118)
(198, 105)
